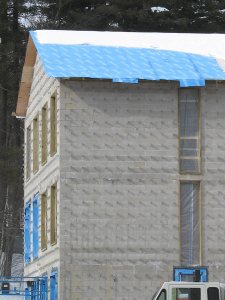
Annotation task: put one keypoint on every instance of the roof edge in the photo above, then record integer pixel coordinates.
(26, 79)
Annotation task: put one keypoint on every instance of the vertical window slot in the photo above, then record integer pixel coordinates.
(53, 231)
(43, 222)
(35, 145)
(44, 135)
(28, 152)
(190, 223)
(53, 121)
(189, 141)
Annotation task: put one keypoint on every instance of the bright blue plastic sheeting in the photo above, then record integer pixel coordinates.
(44, 288)
(27, 233)
(35, 225)
(54, 285)
(179, 273)
(127, 64)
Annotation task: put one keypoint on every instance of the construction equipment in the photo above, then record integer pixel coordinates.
(23, 288)
(190, 273)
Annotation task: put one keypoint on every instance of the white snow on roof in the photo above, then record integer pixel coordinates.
(204, 44)
(159, 9)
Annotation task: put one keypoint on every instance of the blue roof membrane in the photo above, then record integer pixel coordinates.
(121, 64)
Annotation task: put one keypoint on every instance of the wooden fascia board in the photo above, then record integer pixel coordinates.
(26, 79)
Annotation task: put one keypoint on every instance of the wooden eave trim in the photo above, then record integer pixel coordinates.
(26, 79)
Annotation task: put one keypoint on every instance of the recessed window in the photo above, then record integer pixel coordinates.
(53, 217)
(28, 152)
(190, 223)
(35, 145)
(44, 135)
(44, 222)
(189, 141)
(53, 122)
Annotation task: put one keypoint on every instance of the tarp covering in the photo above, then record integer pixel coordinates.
(125, 64)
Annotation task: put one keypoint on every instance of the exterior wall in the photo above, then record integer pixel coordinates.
(119, 188)
(213, 180)
(41, 91)
(117, 176)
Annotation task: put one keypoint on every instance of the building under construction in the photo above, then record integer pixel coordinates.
(124, 160)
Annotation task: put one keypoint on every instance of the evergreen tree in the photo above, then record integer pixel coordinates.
(12, 41)
(135, 15)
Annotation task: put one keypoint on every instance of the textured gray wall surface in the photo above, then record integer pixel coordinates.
(118, 186)
(119, 223)
(213, 180)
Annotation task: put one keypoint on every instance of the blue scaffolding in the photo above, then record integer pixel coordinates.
(23, 288)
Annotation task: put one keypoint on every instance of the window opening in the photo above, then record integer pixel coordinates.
(44, 135)
(43, 222)
(35, 145)
(28, 152)
(53, 121)
(189, 223)
(53, 231)
(189, 141)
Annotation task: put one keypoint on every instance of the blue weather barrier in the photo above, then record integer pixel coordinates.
(129, 65)
(190, 274)
(54, 286)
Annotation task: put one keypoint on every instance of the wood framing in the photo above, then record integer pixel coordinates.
(26, 80)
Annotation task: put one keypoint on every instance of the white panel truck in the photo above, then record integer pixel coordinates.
(191, 291)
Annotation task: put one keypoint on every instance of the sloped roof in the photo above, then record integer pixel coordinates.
(190, 59)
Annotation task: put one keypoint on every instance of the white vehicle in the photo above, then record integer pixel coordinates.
(191, 291)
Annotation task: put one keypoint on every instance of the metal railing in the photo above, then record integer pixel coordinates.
(27, 288)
